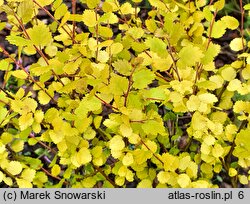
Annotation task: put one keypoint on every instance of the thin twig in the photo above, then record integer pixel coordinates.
(74, 22)
(51, 16)
(28, 75)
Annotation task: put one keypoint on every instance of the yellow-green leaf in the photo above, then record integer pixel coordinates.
(28, 174)
(128, 159)
(22, 183)
(232, 172)
(25, 10)
(231, 22)
(25, 121)
(20, 74)
(163, 177)
(116, 48)
(145, 183)
(208, 98)
(83, 156)
(14, 168)
(183, 180)
(56, 169)
(40, 35)
(237, 44)
(189, 55)
(218, 29)
(43, 97)
(126, 8)
(143, 78)
(92, 3)
(116, 143)
(228, 73)
(44, 2)
(89, 18)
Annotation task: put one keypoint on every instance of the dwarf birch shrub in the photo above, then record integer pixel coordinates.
(111, 99)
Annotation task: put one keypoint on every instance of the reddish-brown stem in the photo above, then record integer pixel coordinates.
(28, 75)
(74, 23)
(152, 152)
(43, 144)
(36, 47)
(129, 86)
(211, 2)
(160, 76)
(155, 99)
(211, 28)
(105, 103)
(51, 16)
(175, 68)
(138, 121)
(106, 177)
(199, 66)
(6, 93)
(97, 35)
(242, 11)
(125, 19)
(6, 76)
(55, 177)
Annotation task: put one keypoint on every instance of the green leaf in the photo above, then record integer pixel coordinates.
(183, 180)
(151, 25)
(158, 4)
(55, 171)
(228, 73)
(247, 7)
(208, 98)
(43, 97)
(242, 149)
(219, 4)
(145, 183)
(209, 55)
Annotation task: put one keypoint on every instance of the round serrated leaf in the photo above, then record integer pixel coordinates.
(14, 168)
(237, 44)
(89, 18)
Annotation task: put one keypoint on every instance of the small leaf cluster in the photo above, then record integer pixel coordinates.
(112, 99)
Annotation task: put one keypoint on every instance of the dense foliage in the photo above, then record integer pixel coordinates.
(114, 99)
